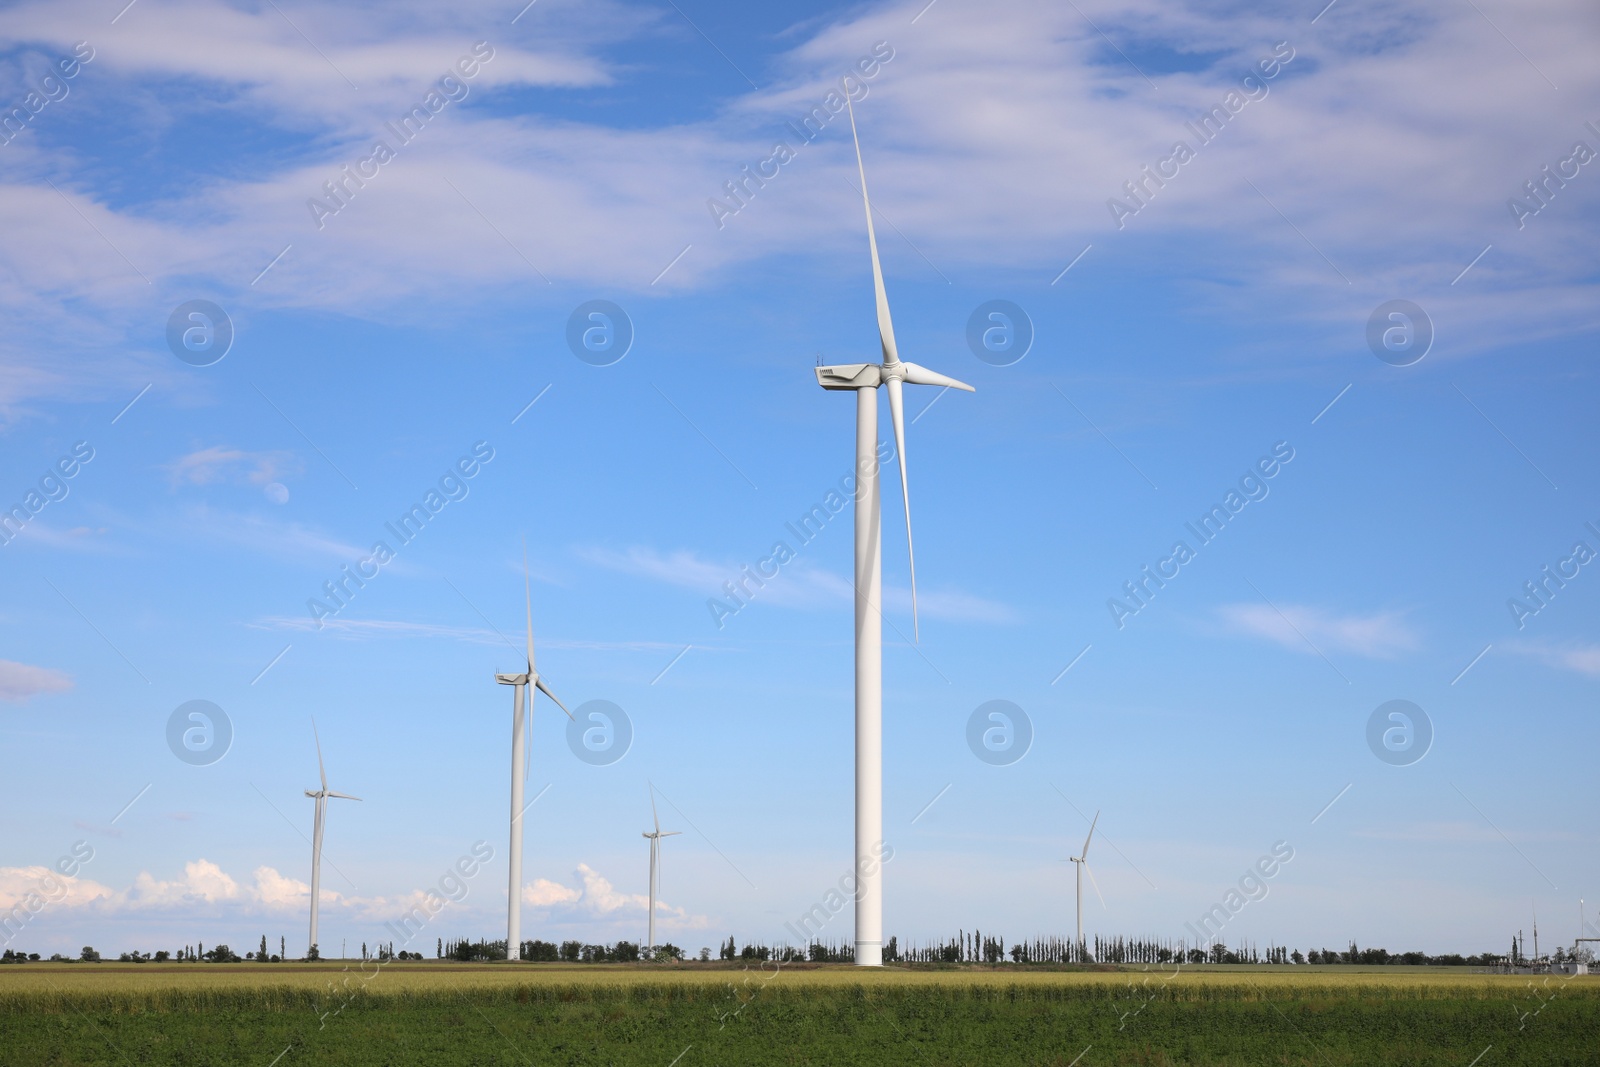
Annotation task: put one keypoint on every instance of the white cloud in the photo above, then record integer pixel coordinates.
(396, 628)
(1392, 140)
(292, 540)
(596, 898)
(796, 585)
(544, 893)
(275, 890)
(1572, 656)
(19, 681)
(205, 888)
(208, 466)
(19, 883)
(1455, 832)
(202, 882)
(1382, 635)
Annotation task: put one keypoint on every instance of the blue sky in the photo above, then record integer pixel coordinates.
(1221, 315)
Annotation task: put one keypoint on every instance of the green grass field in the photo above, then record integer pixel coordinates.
(441, 1013)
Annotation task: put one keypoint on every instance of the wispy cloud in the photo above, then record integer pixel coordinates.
(290, 540)
(1381, 635)
(797, 584)
(375, 629)
(1570, 655)
(219, 464)
(19, 681)
(1457, 832)
(1383, 190)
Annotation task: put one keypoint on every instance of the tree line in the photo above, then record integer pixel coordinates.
(964, 947)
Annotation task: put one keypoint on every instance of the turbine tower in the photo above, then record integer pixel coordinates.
(655, 864)
(864, 379)
(523, 686)
(321, 797)
(1081, 864)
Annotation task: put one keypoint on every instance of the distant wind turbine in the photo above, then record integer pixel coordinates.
(321, 797)
(655, 864)
(521, 738)
(864, 379)
(1081, 862)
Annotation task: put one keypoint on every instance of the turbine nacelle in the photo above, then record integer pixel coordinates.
(872, 375)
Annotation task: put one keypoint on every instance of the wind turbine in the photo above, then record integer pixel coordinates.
(521, 738)
(864, 379)
(1081, 862)
(321, 797)
(655, 864)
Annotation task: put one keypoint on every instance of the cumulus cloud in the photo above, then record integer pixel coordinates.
(202, 885)
(275, 890)
(202, 882)
(19, 883)
(19, 681)
(543, 893)
(1382, 635)
(594, 897)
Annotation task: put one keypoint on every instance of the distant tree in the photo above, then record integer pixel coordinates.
(1295, 957)
(89, 955)
(540, 951)
(705, 955)
(261, 955)
(312, 953)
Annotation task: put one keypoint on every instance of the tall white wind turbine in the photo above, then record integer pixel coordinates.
(864, 379)
(521, 738)
(321, 797)
(1081, 863)
(655, 864)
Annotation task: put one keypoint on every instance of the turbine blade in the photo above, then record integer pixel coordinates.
(891, 354)
(344, 796)
(546, 691)
(527, 589)
(670, 833)
(1090, 871)
(527, 730)
(653, 814)
(920, 375)
(897, 417)
(1084, 855)
(320, 770)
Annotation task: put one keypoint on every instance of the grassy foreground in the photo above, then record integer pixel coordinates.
(440, 1013)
